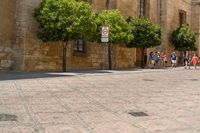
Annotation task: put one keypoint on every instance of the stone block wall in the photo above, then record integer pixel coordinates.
(196, 23)
(170, 20)
(20, 49)
(123, 57)
(7, 14)
(128, 7)
(36, 55)
(96, 57)
(98, 5)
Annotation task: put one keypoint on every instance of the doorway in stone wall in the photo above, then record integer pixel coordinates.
(138, 56)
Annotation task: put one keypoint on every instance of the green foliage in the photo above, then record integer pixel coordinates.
(146, 34)
(118, 27)
(183, 39)
(82, 0)
(65, 20)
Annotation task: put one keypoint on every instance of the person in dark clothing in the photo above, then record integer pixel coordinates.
(145, 59)
(186, 61)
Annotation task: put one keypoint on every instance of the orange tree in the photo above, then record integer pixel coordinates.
(183, 39)
(65, 20)
(118, 29)
(146, 35)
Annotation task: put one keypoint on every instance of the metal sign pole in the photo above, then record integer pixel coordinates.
(105, 40)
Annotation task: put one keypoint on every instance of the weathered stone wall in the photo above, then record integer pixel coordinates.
(170, 20)
(128, 7)
(98, 5)
(196, 23)
(96, 57)
(123, 57)
(154, 11)
(20, 49)
(91, 59)
(7, 13)
(36, 55)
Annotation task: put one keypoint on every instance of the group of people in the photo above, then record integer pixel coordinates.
(159, 60)
(188, 59)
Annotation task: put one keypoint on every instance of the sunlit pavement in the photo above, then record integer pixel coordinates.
(161, 101)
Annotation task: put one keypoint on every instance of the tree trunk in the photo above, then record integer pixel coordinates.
(142, 57)
(64, 54)
(109, 57)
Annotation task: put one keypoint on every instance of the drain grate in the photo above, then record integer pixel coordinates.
(148, 80)
(8, 117)
(194, 79)
(138, 114)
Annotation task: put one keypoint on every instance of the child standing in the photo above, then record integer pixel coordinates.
(194, 61)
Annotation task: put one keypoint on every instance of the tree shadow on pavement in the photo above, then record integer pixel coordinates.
(34, 75)
(26, 75)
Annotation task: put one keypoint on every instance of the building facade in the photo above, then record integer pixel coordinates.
(20, 49)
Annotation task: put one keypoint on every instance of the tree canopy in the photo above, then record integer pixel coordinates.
(65, 20)
(146, 34)
(118, 27)
(183, 39)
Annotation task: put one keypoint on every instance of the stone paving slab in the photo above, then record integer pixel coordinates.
(101, 101)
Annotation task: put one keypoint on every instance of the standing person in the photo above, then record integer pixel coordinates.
(194, 60)
(185, 60)
(163, 58)
(157, 58)
(173, 59)
(152, 59)
(145, 59)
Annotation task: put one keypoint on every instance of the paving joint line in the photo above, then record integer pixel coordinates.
(83, 123)
(29, 111)
(106, 109)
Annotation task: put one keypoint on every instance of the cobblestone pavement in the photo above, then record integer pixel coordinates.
(101, 102)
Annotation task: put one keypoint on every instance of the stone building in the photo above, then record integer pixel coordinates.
(21, 50)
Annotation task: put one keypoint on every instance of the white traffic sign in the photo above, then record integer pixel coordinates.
(105, 32)
(104, 39)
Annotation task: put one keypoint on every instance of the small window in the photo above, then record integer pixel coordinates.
(142, 8)
(89, 1)
(111, 4)
(182, 17)
(80, 46)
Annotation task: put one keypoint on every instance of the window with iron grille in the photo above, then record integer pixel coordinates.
(142, 8)
(80, 46)
(182, 17)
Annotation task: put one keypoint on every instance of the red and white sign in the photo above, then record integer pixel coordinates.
(105, 32)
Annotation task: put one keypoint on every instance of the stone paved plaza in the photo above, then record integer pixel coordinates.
(101, 102)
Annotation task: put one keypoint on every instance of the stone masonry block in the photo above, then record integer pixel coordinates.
(6, 63)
